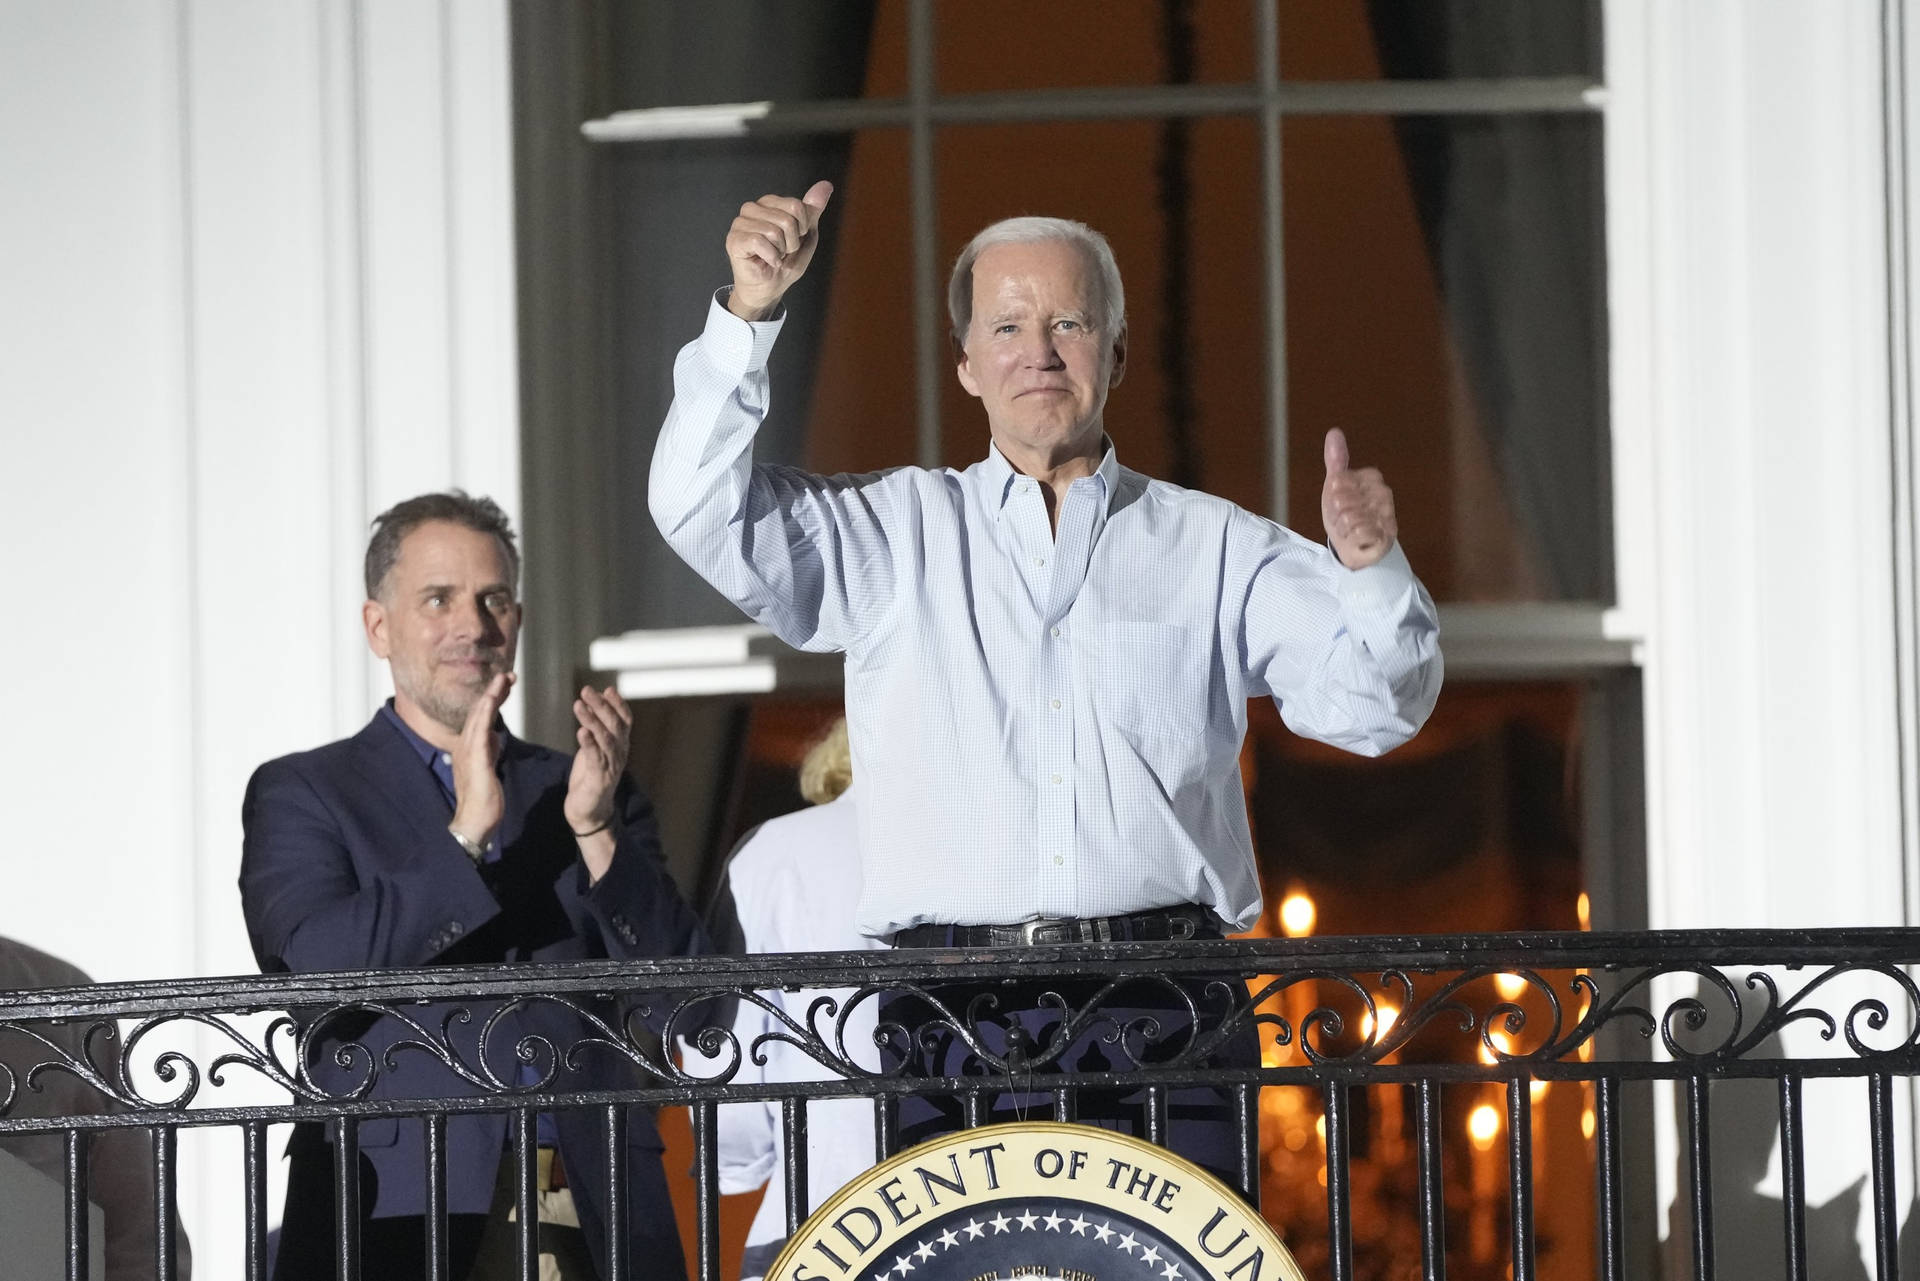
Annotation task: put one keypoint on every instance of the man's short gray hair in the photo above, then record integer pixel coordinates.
(454, 507)
(1032, 230)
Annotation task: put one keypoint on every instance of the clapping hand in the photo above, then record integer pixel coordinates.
(605, 725)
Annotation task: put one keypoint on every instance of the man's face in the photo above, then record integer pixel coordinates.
(1035, 352)
(445, 620)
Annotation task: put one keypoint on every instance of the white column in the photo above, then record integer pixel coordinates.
(259, 286)
(1747, 243)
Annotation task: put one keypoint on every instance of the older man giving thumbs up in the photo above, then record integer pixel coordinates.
(1049, 654)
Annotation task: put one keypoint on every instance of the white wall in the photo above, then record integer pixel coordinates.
(1753, 433)
(255, 285)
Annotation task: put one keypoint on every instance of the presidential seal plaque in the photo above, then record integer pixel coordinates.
(1035, 1199)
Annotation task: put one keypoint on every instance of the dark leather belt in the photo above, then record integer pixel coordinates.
(1166, 924)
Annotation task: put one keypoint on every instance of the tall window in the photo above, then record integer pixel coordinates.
(1384, 217)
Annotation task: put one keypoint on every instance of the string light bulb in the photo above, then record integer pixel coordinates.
(1297, 915)
(1483, 1125)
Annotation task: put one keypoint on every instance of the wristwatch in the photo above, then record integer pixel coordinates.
(476, 852)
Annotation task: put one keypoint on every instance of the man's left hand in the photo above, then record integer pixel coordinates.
(1356, 507)
(603, 735)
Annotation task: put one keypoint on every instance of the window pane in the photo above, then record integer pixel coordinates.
(1438, 39)
(1446, 306)
(658, 55)
(862, 408)
(991, 45)
(1474, 826)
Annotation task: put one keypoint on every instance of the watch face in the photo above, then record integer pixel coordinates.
(1035, 1199)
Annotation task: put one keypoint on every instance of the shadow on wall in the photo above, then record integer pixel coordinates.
(1749, 1225)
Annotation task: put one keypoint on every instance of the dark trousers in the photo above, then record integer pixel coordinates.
(395, 1248)
(1201, 1122)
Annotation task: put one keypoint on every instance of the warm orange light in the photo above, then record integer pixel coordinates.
(1538, 1089)
(1586, 1123)
(1296, 915)
(1320, 1128)
(1483, 1125)
(1584, 907)
(1510, 985)
(1487, 1055)
(1388, 1014)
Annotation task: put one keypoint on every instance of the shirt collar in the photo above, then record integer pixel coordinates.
(426, 751)
(1000, 475)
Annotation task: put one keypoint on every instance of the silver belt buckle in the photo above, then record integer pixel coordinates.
(1180, 926)
(1029, 930)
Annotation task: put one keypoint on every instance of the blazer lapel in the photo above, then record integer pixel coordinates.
(394, 772)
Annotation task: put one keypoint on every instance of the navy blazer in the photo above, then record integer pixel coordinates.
(348, 865)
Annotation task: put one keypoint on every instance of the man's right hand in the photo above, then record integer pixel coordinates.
(479, 803)
(770, 245)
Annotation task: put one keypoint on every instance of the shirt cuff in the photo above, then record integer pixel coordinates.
(1378, 585)
(739, 347)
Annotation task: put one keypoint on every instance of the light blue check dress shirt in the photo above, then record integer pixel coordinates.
(1043, 724)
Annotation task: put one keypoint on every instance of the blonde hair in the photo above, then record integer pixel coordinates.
(827, 769)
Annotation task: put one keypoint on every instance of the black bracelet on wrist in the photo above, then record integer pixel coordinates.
(591, 831)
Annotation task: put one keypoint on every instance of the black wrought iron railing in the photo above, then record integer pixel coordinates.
(1593, 1012)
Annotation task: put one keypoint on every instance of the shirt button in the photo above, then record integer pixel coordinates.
(1056, 633)
(1059, 861)
(1039, 562)
(1056, 780)
(446, 758)
(1056, 704)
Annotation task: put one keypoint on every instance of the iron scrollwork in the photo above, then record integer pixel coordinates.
(1481, 1012)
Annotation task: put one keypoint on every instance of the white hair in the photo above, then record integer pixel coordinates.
(1031, 230)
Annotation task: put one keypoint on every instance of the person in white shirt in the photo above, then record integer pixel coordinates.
(790, 886)
(1049, 655)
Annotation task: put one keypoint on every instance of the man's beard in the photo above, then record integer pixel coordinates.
(450, 706)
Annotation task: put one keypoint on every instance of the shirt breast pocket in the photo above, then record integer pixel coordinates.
(1154, 678)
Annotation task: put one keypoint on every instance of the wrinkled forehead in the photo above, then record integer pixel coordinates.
(1051, 273)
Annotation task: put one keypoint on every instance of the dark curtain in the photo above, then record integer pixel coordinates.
(671, 204)
(1511, 208)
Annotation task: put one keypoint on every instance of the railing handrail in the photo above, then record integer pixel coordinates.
(1558, 950)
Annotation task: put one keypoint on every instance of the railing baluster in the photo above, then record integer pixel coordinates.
(1793, 1176)
(1700, 1177)
(434, 1132)
(77, 1242)
(619, 1265)
(1339, 1223)
(1433, 1207)
(1886, 1220)
(1157, 1115)
(1610, 1184)
(886, 1126)
(526, 1194)
(974, 1109)
(165, 1196)
(793, 1125)
(1520, 1174)
(1066, 1105)
(253, 1147)
(706, 1187)
(346, 1198)
(1246, 1121)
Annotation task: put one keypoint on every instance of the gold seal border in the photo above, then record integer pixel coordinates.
(1183, 1223)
